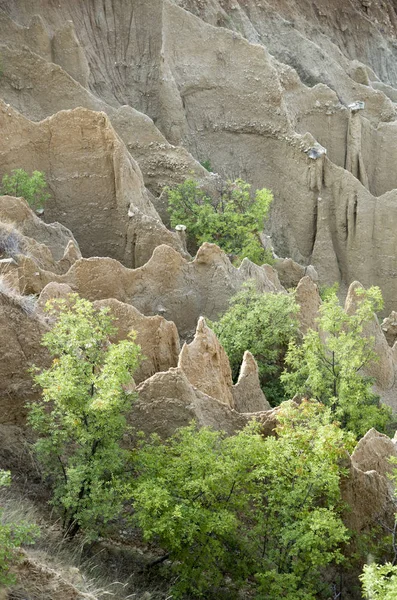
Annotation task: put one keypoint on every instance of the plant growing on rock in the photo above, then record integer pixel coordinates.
(264, 324)
(329, 364)
(12, 536)
(31, 187)
(261, 513)
(81, 417)
(234, 220)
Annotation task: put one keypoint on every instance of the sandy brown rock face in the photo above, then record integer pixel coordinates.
(157, 337)
(369, 497)
(373, 453)
(97, 188)
(206, 365)
(21, 333)
(367, 488)
(168, 400)
(247, 393)
(290, 272)
(308, 298)
(179, 290)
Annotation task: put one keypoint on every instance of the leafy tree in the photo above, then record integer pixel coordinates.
(80, 418)
(264, 324)
(234, 221)
(329, 364)
(263, 514)
(12, 535)
(31, 187)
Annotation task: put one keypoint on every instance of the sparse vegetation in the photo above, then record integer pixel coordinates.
(264, 324)
(234, 220)
(207, 165)
(80, 419)
(31, 187)
(12, 536)
(329, 364)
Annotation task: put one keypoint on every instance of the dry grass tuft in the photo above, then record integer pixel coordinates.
(12, 297)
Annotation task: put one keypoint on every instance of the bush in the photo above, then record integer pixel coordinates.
(328, 364)
(80, 418)
(264, 324)
(261, 514)
(234, 221)
(12, 535)
(31, 187)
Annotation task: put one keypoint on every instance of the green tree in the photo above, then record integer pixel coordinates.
(263, 514)
(234, 221)
(329, 364)
(80, 418)
(12, 536)
(264, 324)
(31, 187)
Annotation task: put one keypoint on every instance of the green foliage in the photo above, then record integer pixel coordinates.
(12, 535)
(81, 416)
(207, 165)
(264, 324)
(31, 187)
(328, 290)
(328, 364)
(263, 514)
(234, 221)
(379, 581)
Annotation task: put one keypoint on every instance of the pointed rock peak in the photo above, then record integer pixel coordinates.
(352, 298)
(373, 452)
(249, 366)
(247, 393)
(308, 298)
(206, 364)
(208, 253)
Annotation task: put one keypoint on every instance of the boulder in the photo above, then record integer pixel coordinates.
(389, 328)
(247, 393)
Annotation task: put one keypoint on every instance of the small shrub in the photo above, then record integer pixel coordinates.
(234, 221)
(12, 536)
(207, 165)
(328, 364)
(81, 417)
(264, 324)
(31, 187)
